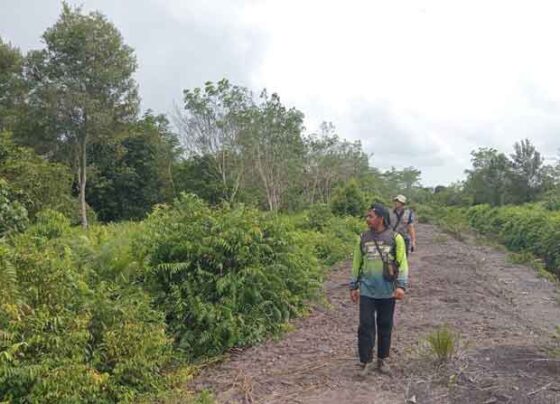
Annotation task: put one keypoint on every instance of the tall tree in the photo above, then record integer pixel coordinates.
(211, 127)
(403, 180)
(12, 91)
(451, 195)
(329, 162)
(135, 173)
(527, 165)
(82, 88)
(196, 175)
(554, 173)
(489, 181)
(275, 147)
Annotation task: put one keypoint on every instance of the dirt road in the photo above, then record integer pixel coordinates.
(505, 317)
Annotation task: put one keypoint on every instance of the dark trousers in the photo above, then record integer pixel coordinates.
(376, 317)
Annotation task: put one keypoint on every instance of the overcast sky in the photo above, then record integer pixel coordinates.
(419, 82)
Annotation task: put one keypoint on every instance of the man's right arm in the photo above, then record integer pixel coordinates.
(412, 233)
(412, 230)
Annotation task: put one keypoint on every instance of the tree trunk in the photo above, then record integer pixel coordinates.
(237, 183)
(315, 185)
(260, 169)
(82, 180)
(224, 178)
(172, 182)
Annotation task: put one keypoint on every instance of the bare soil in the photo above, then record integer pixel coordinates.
(504, 315)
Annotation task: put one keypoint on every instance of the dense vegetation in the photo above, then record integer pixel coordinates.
(106, 315)
(515, 200)
(132, 248)
(522, 228)
(120, 311)
(234, 220)
(530, 230)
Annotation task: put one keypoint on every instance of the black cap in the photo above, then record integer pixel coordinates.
(381, 211)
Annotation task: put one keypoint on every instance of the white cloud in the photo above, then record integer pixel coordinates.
(420, 82)
(451, 73)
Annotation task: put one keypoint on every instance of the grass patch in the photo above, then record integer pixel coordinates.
(441, 238)
(442, 343)
(456, 230)
(205, 397)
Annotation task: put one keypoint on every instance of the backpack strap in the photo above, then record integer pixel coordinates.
(393, 248)
(379, 251)
(393, 251)
(399, 219)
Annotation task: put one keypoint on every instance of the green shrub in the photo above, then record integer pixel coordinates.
(551, 200)
(331, 238)
(8, 278)
(50, 224)
(226, 277)
(348, 200)
(13, 215)
(427, 213)
(529, 228)
(36, 183)
(73, 333)
(452, 220)
(327, 248)
(318, 217)
(113, 313)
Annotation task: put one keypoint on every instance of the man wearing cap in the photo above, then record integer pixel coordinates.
(402, 221)
(377, 249)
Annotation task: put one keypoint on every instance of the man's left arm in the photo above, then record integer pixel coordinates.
(402, 262)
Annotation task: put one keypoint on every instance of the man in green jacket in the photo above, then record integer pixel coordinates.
(375, 293)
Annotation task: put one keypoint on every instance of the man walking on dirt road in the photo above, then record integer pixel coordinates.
(379, 277)
(402, 221)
